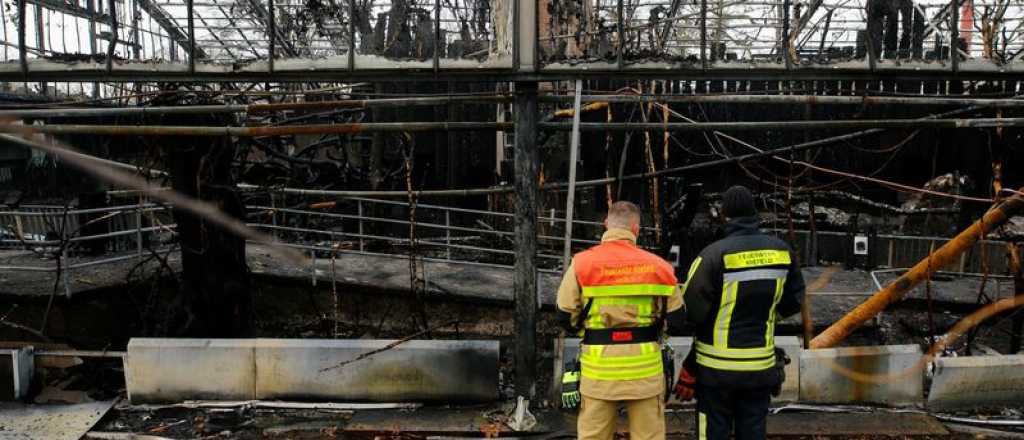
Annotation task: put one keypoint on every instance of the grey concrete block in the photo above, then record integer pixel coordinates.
(681, 347)
(976, 382)
(16, 371)
(159, 370)
(446, 371)
(822, 379)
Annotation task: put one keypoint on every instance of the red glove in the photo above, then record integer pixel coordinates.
(685, 385)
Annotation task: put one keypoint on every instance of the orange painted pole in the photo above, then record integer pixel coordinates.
(924, 269)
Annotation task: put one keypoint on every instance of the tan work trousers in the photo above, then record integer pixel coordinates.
(598, 418)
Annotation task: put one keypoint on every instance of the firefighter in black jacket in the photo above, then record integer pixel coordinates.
(736, 291)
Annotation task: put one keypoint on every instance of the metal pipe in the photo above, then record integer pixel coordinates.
(573, 154)
(255, 108)
(283, 130)
(789, 125)
(791, 100)
(80, 353)
(943, 256)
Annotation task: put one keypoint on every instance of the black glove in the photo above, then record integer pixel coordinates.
(781, 360)
(571, 396)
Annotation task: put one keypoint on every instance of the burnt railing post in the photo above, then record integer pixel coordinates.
(621, 28)
(954, 35)
(527, 193)
(785, 46)
(703, 34)
(22, 49)
(271, 35)
(352, 35)
(190, 18)
(437, 36)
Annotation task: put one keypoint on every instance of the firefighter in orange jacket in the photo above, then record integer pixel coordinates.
(618, 294)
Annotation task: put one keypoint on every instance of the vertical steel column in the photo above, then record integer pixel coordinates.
(272, 31)
(91, 5)
(22, 49)
(515, 35)
(136, 33)
(703, 34)
(527, 193)
(570, 200)
(437, 36)
(351, 35)
(138, 227)
(954, 35)
(622, 35)
(784, 47)
(190, 17)
(112, 44)
(359, 213)
(448, 233)
(41, 41)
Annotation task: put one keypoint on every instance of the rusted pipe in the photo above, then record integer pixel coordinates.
(281, 130)
(568, 112)
(790, 125)
(923, 270)
(253, 108)
(792, 100)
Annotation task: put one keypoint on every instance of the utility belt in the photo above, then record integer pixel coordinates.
(616, 336)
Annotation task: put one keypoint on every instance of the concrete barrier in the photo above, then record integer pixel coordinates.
(977, 382)
(161, 370)
(16, 370)
(448, 371)
(174, 370)
(822, 382)
(681, 347)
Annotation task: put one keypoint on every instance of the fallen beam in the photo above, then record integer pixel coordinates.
(281, 130)
(791, 100)
(923, 270)
(789, 125)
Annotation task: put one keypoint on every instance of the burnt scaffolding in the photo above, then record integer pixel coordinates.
(99, 42)
(527, 190)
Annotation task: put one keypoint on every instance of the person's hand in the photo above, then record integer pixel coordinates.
(571, 389)
(686, 385)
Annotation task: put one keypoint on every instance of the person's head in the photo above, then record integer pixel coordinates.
(623, 215)
(738, 202)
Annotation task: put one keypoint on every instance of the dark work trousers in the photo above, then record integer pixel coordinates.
(719, 409)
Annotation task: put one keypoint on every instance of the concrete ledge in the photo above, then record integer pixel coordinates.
(175, 370)
(821, 381)
(977, 382)
(159, 370)
(450, 371)
(16, 370)
(681, 347)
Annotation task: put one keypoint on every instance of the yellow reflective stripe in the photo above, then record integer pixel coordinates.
(619, 361)
(769, 332)
(735, 365)
(597, 374)
(724, 318)
(644, 305)
(737, 353)
(630, 290)
(702, 426)
(693, 269)
(763, 257)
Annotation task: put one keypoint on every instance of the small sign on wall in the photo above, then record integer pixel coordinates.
(860, 245)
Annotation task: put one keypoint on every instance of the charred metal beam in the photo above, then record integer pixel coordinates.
(279, 130)
(789, 125)
(527, 194)
(254, 108)
(791, 100)
(71, 9)
(167, 23)
(942, 257)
